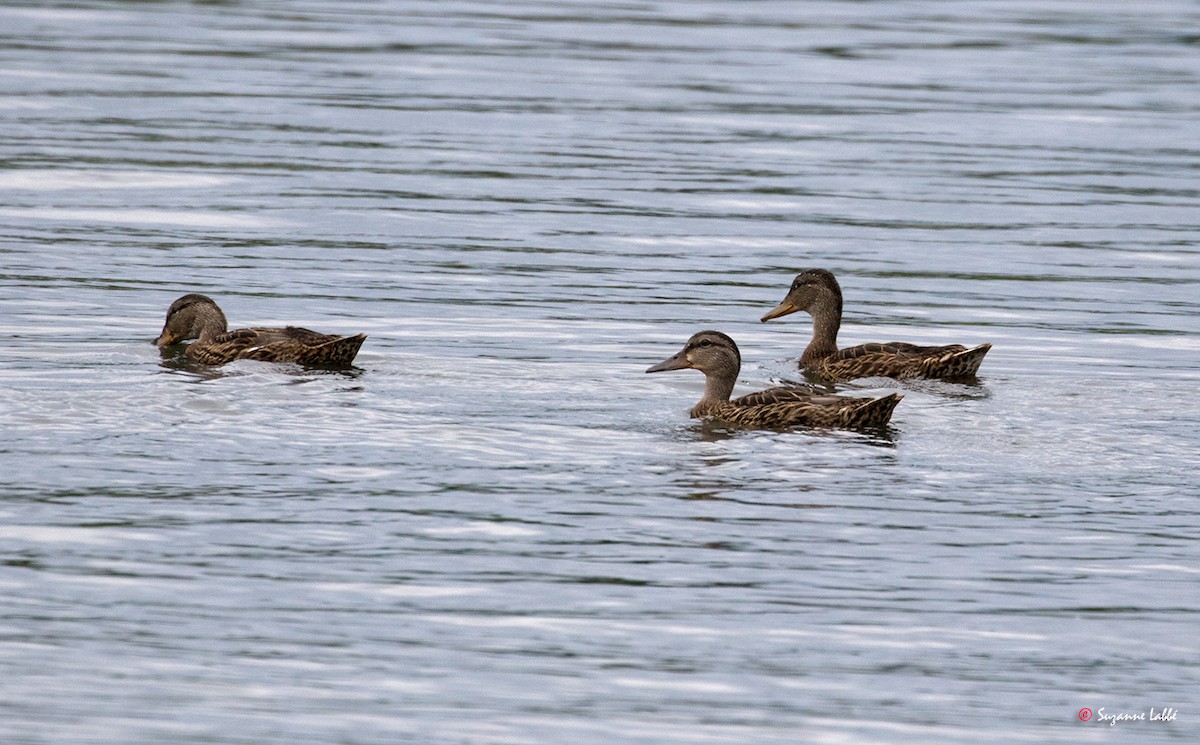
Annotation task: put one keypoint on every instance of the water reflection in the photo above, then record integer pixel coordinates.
(715, 431)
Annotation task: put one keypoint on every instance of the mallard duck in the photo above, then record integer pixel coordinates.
(198, 317)
(717, 356)
(817, 292)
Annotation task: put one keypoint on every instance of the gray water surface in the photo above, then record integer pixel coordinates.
(496, 528)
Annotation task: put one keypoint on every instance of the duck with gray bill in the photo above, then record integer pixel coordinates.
(196, 316)
(717, 356)
(817, 292)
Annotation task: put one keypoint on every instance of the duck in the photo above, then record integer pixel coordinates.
(196, 316)
(817, 292)
(717, 356)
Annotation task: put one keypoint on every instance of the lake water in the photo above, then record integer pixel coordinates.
(497, 528)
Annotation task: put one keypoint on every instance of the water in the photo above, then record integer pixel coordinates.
(497, 529)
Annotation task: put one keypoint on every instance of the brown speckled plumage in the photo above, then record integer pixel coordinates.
(817, 292)
(717, 356)
(198, 317)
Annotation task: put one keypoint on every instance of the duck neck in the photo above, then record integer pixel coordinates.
(718, 385)
(827, 319)
(208, 325)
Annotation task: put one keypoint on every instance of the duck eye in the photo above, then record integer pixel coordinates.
(705, 343)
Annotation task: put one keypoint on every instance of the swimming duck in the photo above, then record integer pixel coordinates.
(817, 292)
(717, 356)
(197, 317)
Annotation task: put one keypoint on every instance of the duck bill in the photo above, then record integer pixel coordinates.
(164, 340)
(675, 362)
(783, 309)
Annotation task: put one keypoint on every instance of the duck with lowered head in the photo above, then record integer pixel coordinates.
(196, 316)
(717, 356)
(817, 292)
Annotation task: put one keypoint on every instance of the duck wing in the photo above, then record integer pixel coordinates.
(823, 410)
(288, 344)
(778, 395)
(902, 360)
